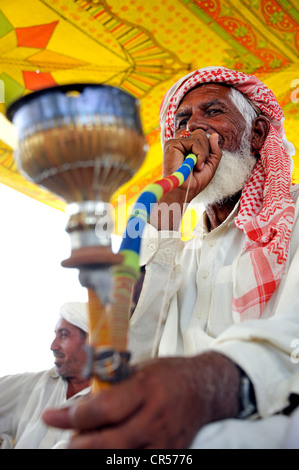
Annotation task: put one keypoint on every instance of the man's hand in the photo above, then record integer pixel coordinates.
(208, 155)
(161, 405)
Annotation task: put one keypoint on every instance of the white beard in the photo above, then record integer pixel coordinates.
(231, 175)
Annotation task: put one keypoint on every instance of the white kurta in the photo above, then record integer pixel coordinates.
(192, 282)
(23, 397)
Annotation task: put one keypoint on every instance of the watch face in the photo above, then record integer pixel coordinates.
(247, 397)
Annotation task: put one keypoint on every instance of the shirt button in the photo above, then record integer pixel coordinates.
(199, 314)
(152, 246)
(211, 243)
(205, 274)
(167, 251)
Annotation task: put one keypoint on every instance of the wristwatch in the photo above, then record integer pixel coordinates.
(246, 397)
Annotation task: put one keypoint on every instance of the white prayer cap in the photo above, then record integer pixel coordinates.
(76, 313)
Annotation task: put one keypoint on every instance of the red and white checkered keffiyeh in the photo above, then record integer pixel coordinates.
(266, 211)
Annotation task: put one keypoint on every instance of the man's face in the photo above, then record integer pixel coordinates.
(211, 109)
(68, 349)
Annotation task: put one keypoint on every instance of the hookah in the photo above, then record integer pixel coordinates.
(82, 142)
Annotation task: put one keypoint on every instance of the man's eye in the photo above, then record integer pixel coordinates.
(182, 123)
(212, 111)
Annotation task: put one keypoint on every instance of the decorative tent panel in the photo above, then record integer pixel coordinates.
(143, 47)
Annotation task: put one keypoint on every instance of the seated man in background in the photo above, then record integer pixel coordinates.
(211, 336)
(23, 397)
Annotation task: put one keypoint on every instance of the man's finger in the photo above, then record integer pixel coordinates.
(57, 417)
(214, 144)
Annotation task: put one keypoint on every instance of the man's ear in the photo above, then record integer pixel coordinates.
(259, 132)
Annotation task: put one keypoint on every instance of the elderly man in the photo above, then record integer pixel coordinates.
(221, 310)
(23, 397)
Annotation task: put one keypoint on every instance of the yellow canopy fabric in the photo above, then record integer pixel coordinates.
(143, 47)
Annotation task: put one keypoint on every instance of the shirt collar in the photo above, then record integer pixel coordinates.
(202, 228)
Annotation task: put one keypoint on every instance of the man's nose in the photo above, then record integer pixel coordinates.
(54, 345)
(197, 122)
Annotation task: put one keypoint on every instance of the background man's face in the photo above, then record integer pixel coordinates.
(68, 349)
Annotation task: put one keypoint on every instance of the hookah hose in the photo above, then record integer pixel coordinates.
(127, 273)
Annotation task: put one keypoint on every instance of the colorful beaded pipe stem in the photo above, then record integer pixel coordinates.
(127, 273)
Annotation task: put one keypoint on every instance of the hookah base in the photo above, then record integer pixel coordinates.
(92, 256)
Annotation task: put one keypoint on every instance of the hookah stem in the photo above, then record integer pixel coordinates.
(99, 331)
(127, 273)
